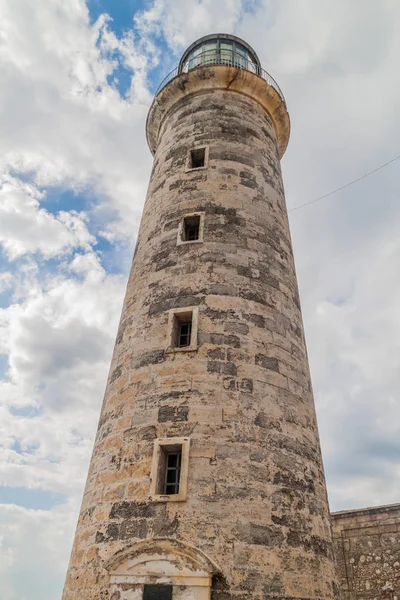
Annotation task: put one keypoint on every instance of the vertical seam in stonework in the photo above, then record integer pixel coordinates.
(346, 566)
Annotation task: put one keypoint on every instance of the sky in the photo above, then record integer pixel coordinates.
(76, 81)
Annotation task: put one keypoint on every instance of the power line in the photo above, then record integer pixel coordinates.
(344, 186)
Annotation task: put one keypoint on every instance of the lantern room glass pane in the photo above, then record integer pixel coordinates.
(220, 51)
(241, 49)
(195, 57)
(226, 53)
(209, 52)
(240, 56)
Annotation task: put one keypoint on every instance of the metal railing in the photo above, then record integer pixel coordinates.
(223, 57)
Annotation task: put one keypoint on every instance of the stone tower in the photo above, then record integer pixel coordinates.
(206, 479)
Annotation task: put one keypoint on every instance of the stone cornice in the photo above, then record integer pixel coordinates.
(372, 510)
(219, 77)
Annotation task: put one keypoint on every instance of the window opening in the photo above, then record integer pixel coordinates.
(182, 329)
(197, 158)
(173, 472)
(169, 470)
(191, 228)
(157, 592)
(184, 333)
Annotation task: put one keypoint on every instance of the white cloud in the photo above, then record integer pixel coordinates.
(66, 123)
(58, 341)
(51, 532)
(25, 227)
(182, 22)
(355, 353)
(5, 281)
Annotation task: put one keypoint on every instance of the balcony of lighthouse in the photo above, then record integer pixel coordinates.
(221, 49)
(219, 63)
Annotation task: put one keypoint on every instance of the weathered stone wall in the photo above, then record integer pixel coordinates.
(367, 548)
(256, 501)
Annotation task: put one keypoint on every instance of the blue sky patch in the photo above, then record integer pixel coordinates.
(25, 411)
(23, 450)
(31, 498)
(121, 12)
(58, 199)
(5, 296)
(121, 79)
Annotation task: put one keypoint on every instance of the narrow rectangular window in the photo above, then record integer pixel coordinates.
(191, 228)
(184, 333)
(169, 470)
(173, 472)
(197, 158)
(157, 592)
(182, 330)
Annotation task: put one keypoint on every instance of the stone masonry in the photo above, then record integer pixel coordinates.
(253, 520)
(367, 549)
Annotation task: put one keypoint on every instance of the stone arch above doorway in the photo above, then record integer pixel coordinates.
(160, 561)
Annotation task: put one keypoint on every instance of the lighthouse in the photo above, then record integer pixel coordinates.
(206, 479)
